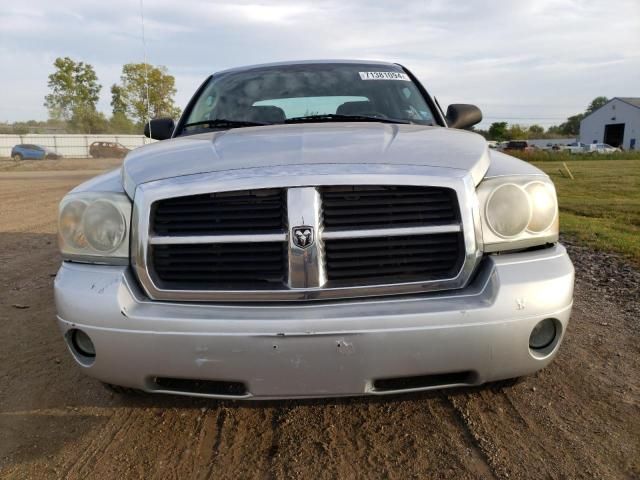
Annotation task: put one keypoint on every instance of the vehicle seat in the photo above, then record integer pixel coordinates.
(356, 108)
(266, 114)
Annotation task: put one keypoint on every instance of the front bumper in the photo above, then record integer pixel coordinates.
(463, 337)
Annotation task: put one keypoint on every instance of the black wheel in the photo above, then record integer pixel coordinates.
(17, 157)
(122, 390)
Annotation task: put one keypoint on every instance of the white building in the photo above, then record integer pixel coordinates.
(617, 123)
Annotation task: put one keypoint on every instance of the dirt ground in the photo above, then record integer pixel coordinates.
(579, 418)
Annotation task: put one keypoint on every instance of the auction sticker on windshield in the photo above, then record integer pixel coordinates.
(384, 76)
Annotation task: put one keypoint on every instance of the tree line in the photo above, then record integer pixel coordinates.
(74, 92)
(501, 131)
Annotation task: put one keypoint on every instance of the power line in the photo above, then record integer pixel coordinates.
(144, 60)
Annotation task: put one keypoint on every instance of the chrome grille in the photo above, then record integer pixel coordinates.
(224, 243)
(221, 213)
(379, 260)
(223, 266)
(384, 206)
(391, 258)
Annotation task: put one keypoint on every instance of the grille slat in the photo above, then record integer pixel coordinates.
(390, 260)
(394, 208)
(337, 254)
(376, 220)
(218, 217)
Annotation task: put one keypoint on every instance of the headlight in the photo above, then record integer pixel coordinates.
(543, 205)
(517, 212)
(508, 210)
(94, 227)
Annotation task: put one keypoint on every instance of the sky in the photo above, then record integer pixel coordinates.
(521, 61)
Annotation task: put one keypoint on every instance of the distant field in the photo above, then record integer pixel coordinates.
(564, 156)
(601, 206)
(8, 165)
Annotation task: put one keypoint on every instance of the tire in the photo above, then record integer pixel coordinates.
(117, 389)
(18, 157)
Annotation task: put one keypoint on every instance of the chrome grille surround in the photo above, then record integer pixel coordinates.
(307, 278)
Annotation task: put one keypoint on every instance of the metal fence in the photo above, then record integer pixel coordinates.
(69, 146)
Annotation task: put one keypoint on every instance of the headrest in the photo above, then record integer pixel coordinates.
(266, 114)
(355, 108)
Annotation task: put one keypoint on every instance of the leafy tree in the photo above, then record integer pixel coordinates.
(85, 120)
(536, 131)
(498, 131)
(572, 126)
(554, 131)
(118, 103)
(136, 80)
(595, 104)
(516, 132)
(120, 123)
(20, 129)
(74, 91)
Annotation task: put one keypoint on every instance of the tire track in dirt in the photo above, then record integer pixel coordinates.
(96, 445)
(481, 459)
(209, 445)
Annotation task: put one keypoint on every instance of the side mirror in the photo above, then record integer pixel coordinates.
(463, 115)
(159, 128)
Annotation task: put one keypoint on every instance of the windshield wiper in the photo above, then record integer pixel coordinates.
(224, 123)
(336, 117)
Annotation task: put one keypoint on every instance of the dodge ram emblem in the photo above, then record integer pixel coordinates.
(302, 236)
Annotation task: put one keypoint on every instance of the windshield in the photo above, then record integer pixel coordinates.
(292, 93)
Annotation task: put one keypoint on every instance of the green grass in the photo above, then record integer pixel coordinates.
(564, 156)
(601, 206)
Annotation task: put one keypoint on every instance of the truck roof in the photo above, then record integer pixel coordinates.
(309, 62)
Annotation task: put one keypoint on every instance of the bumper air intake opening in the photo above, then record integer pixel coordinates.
(202, 387)
(544, 337)
(424, 381)
(81, 347)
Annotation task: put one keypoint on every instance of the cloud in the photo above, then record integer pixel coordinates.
(536, 61)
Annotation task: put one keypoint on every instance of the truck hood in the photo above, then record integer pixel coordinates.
(308, 144)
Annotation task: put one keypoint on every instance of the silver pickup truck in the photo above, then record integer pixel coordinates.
(313, 229)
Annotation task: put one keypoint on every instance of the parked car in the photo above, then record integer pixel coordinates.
(107, 150)
(576, 147)
(28, 151)
(259, 251)
(601, 148)
(519, 145)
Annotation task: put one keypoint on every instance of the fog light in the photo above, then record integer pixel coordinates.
(543, 334)
(83, 344)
